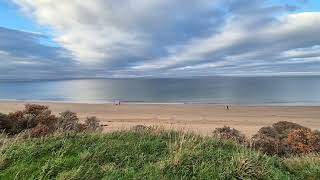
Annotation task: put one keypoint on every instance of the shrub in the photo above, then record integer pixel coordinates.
(35, 109)
(5, 123)
(40, 116)
(266, 144)
(48, 120)
(283, 128)
(269, 132)
(30, 117)
(229, 134)
(38, 120)
(40, 130)
(303, 141)
(92, 123)
(140, 128)
(18, 121)
(274, 140)
(82, 127)
(68, 121)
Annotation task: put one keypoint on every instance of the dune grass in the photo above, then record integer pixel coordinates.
(143, 154)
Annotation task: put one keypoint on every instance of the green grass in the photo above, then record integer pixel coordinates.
(150, 154)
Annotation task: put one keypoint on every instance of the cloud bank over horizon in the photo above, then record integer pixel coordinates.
(162, 38)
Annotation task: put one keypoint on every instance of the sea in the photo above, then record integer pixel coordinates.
(302, 90)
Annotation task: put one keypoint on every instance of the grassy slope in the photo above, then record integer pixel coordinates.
(145, 154)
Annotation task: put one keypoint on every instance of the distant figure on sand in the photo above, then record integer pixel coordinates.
(227, 107)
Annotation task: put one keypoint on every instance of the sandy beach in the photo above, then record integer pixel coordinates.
(201, 119)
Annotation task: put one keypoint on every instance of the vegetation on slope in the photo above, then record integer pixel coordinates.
(38, 145)
(151, 154)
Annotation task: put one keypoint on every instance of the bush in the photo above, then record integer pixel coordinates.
(304, 141)
(41, 118)
(283, 128)
(230, 134)
(274, 140)
(39, 121)
(140, 128)
(30, 117)
(266, 144)
(40, 130)
(5, 123)
(92, 123)
(19, 122)
(82, 127)
(35, 109)
(267, 140)
(269, 132)
(68, 121)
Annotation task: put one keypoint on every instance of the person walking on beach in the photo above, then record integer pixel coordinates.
(227, 107)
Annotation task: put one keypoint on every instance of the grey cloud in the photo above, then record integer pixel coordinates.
(263, 45)
(132, 38)
(22, 55)
(107, 31)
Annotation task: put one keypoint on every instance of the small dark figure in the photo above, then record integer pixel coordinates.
(227, 107)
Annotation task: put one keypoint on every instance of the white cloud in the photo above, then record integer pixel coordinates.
(102, 30)
(313, 51)
(237, 44)
(175, 37)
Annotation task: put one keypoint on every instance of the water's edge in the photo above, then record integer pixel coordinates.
(106, 102)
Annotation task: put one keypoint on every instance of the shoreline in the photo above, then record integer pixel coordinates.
(198, 118)
(113, 102)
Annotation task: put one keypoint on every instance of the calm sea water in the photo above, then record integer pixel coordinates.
(219, 90)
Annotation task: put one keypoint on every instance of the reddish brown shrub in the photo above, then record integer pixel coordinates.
(230, 134)
(19, 122)
(5, 123)
(82, 127)
(269, 132)
(40, 131)
(274, 140)
(140, 127)
(38, 120)
(29, 118)
(37, 114)
(35, 109)
(267, 144)
(48, 120)
(283, 128)
(92, 124)
(303, 141)
(68, 121)
(269, 141)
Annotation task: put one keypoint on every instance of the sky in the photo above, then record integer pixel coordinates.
(52, 39)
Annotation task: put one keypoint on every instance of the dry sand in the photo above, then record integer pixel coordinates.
(202, 119)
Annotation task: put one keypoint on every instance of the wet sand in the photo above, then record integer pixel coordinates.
(198, 118)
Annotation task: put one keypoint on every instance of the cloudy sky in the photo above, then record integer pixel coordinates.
(158, 38)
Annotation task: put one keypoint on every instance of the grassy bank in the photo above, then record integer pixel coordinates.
(151, 154)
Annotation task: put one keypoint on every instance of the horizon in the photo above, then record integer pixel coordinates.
(158, 77)
(158, 39)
